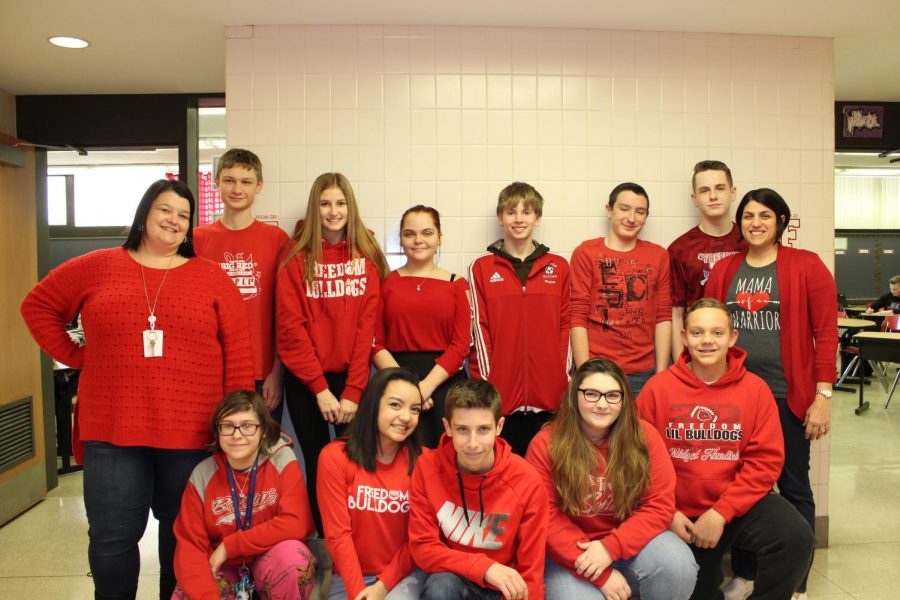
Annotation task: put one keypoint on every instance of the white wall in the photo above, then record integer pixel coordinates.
(447, 116)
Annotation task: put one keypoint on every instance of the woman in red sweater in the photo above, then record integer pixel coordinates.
(612, 496)
(166, 337)
(244, 512)
(326, 301)
(782, 302)
(364, 488)
(424, 320)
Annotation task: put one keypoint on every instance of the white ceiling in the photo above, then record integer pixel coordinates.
(177, 46)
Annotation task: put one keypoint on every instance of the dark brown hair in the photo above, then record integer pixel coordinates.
(240, 401)
(473, 393)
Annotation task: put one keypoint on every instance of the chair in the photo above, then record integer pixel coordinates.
(848, 347)
(891, 323)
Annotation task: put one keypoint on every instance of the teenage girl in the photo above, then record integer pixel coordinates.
(424, 320)
(364, 487)
(612, 496)
(244, 511)
(327, 298)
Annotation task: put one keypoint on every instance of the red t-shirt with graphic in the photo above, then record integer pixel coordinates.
(250, 257)
(693, 256)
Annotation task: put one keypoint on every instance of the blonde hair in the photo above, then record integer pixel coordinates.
(575, 459)
(309, 237)
(519, 191)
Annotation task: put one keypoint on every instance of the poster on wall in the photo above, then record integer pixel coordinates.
(863, 121)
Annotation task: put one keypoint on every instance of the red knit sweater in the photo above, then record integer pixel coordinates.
(124, 398)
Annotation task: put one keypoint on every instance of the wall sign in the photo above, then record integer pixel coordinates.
(863, 121)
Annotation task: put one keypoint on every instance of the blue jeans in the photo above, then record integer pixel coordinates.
(408, 588)
(450, 586)
(636, 381)
(122, 484)
(663, 570)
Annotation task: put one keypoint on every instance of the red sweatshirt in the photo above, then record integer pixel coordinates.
(328, 326)
(619, 297)
(522, 332)
(724, 438)
(280, 512)
(809, 337)
(123, 397)
(501, 518)
(420, 314)
(365, 516)
(622, 539)
(250, 257)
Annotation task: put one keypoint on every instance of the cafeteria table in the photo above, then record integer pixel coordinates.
(880, 346)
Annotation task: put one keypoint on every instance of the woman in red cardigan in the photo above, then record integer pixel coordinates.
(167, 336)
(783, 304)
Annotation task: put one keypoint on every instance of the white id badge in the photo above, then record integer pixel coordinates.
(153, 343)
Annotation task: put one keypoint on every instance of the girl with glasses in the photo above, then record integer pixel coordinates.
(364, 490)
(612, 496)
(244, 512)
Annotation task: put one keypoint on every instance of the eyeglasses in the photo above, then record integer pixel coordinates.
(592, 396)
(247, 429)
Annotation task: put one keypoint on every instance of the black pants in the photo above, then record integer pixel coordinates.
(431, 425)
(311, 428)
(776, 535)
(521, 427)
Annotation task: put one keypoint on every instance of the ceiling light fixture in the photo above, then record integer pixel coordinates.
(64, 41)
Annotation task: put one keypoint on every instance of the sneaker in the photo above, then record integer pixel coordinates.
(799, 596)
(738, 589)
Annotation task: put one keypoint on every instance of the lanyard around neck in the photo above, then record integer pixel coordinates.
(235, 499)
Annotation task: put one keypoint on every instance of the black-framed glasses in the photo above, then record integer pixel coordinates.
(592, 396)
(247, 429)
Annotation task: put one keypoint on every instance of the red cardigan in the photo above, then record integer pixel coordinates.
(809, 337)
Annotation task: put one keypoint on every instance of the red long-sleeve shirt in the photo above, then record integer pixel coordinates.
(724, 438)
(328, 326)
(365, 516)
(619, 297)
(501, 518)
(206, 519)
(123, 397)
(421, 314)
(622, 539)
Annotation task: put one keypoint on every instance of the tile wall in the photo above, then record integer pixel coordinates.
(447, 116)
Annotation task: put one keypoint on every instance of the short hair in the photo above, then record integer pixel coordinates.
(708, 303)
(238, 157)
(628, 186)
(711, 165)
(431, 212)
(240, 401)
(894, 280)
(519, 191)
(771, 200)
(473, 393)
(136, 232)
(363, 436)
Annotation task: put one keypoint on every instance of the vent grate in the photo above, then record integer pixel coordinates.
(16, 433)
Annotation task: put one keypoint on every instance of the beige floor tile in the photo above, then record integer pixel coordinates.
(69, 588)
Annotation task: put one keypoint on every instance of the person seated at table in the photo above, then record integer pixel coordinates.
(889, 301)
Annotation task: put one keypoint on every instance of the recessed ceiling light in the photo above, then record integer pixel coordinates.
(64, 41)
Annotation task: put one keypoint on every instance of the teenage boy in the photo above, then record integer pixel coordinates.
(520, 299)
(478, 513)
(621, 308)
(889, 301)
(721, 426)
(247, 250)
(695, 253)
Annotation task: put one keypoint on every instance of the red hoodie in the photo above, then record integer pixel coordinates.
(280, 512)
(724, 438)
(365, 516)
(622, 539)
(465, 523)
(328, 326)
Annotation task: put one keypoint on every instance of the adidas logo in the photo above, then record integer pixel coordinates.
(496, 278)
